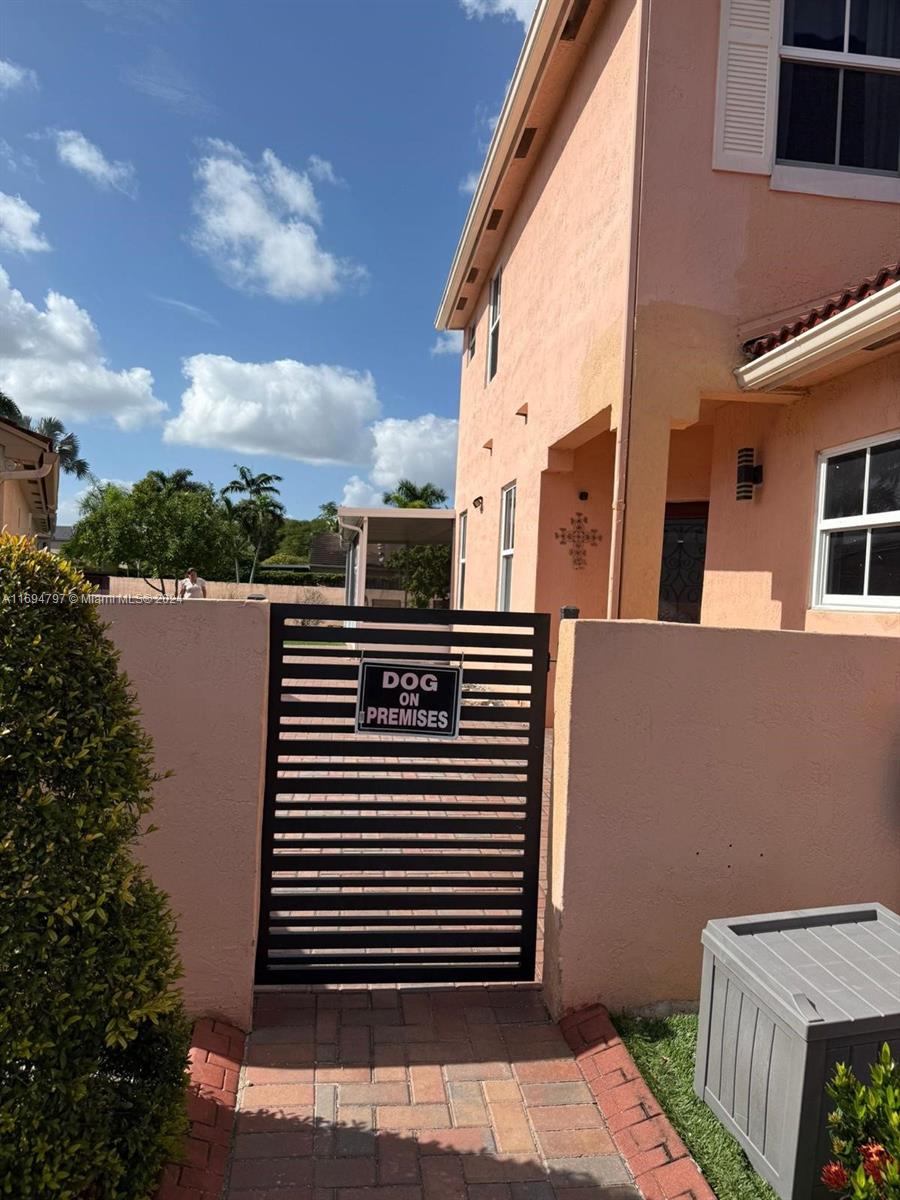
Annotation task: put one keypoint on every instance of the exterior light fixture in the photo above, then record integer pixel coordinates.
(749, 473)
(478, 503)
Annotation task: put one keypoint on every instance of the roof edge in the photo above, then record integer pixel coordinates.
(539, 43)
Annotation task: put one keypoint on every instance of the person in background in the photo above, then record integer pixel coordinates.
(192, 587)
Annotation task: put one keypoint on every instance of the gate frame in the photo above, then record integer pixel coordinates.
(533, 753)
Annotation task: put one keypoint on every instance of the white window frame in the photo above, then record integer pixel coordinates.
(506, 552)
(860, 183)
(461, 537)
(470, 341)
(820, 599)
(492, 358)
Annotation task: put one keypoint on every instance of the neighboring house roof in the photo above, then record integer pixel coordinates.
(823, 310)
(30, 455)
(327, 553)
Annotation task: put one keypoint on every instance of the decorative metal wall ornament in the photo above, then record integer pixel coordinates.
(578, 537)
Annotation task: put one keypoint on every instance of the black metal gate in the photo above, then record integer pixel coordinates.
(401, 858)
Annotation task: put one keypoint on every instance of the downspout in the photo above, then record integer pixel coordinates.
(623, 433)
(31, 473)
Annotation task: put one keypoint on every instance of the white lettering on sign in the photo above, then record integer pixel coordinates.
(409, 681)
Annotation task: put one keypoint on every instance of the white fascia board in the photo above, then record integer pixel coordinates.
(529, 68)
(868, 321)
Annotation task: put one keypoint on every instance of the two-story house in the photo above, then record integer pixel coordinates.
(679, 286)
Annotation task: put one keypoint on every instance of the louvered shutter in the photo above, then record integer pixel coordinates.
(746, 85)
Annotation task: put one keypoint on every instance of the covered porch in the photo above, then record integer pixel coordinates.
(389, 530)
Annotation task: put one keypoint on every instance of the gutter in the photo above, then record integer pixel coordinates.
(856, 328)
(31, 473)
(623, 434)
(540, 43)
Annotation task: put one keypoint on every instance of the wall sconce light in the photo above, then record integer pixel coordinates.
(749, 473)
(478, 503)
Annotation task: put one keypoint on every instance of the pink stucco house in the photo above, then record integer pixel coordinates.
(679, 286)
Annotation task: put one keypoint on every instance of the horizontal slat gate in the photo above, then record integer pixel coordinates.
(401, 858)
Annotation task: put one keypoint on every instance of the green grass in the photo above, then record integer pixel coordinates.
(664, 1053)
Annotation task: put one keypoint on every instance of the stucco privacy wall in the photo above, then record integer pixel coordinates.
(199, 671)
(704, 773)
(564, 300)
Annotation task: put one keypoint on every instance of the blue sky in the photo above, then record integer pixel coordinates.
(225, 226)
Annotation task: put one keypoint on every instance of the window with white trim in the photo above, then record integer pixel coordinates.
(470, 342)
(493, 350)
(839, 85)
(507, 546)
(857, 558)
(463, 529)
(808, 93)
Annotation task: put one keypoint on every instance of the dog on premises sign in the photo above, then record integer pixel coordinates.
(408, 698)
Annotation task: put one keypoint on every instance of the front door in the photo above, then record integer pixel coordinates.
(683, 559)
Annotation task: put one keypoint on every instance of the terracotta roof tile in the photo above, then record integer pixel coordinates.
(837, 303)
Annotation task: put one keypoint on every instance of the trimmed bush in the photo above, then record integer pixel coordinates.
(93, 1038)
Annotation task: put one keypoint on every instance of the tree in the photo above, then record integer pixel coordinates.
(236, 544)
(424, 571)
(64, 443)
(328, 512)
(178, 480)
(410, 495)
(93, 1037)
(259, 512)
(9, 410)
(156, 531)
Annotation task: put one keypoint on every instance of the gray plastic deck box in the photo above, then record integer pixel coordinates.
(784, 997)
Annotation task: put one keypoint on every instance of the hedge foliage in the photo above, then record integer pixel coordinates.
(93, 1038)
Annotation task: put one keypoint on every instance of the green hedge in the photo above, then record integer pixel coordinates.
(93, 1038)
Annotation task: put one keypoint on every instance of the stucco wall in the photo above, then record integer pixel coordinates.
(199, 671)
(759, 553)
(562, 335)
(15, 515)
(704, 773)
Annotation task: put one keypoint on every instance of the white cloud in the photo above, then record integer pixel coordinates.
(316, 414)
(360, 494)
(16, 160)
(192, 310)
(18, 226)
(422, 449)
(162, 79)
(13, 76)
(468, 185)
(74, 149)
(449, 341)
(52, 364)
(323, 172)
(520, 10)
(257, 225)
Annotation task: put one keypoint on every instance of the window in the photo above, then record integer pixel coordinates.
(839, 85)
(470, 342)
(507, 545)
(857, 561)
(461, 560)
(493, 328)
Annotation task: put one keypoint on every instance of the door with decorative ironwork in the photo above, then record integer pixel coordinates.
(401, 857)
(683, 562)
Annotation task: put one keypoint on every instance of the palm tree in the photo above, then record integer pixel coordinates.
(62, 442)
(9, 410)
(259, 512)
(237, 544)
(178, 480)
(410, 495)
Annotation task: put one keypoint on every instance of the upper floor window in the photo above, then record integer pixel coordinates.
(839, 84)
(808, 94)
(857, 560)
(463, 530)
(470, 342)
(507, 546)
(494, 328)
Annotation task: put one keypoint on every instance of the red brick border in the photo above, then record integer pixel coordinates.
(654, 1153)
(216, 1054)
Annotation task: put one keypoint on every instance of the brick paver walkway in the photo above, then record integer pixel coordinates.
(466, 1093)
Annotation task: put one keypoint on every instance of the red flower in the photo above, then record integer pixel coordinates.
(875, 1158)
(835, 1177)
